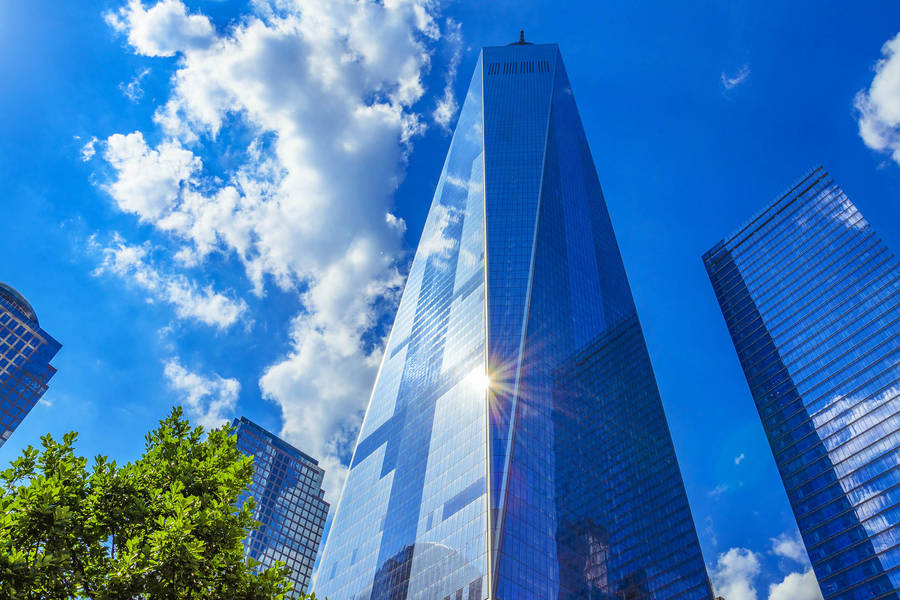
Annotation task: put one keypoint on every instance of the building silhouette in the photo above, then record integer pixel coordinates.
(515, 445)
(25, 354)
(290, 505)
(810, 296)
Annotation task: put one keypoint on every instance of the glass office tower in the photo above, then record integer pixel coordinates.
(290, 504)
(25, 354)
(810, 295)
(515, 446)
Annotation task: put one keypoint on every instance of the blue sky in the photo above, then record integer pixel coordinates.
(214, 203)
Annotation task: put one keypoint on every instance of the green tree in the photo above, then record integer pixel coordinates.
(163, 527)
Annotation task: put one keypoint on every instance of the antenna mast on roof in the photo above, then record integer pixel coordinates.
(521, 41)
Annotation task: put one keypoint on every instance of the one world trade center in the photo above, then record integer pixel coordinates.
(515, 445)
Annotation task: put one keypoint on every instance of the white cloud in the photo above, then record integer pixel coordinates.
(328, 90)
(89, 149)
(131, 263)
(733, 574)
(729, 82)
(879, 106)
(209, 401)
(719, 490)
(447, 105)
(324, 384)
(796, 586)
(790, 546)
(148, 181)
(739, 458)
(163, 29)
(133, 90)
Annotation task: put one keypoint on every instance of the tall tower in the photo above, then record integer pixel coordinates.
(515, 445)
(25, 354)
(290, 503)
(811, 297)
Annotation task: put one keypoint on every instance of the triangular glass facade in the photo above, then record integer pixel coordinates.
(515, 445)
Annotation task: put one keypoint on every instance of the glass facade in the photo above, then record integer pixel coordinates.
(25, 354)
(515, 444)
(810, 296)
(290, 505)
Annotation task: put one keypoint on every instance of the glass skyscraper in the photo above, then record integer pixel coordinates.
(515, 446)
(25, 354)
(290, 504)
(810, 295)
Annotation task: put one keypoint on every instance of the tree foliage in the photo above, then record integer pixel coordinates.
(163, 527)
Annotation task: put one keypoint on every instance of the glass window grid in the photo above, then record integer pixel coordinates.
(793, 290)
(853, 312)
(759, 224)
(786, 240)
(25, 354)
(788, 243)
(289, 503)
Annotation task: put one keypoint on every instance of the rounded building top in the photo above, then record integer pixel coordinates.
(17, 300)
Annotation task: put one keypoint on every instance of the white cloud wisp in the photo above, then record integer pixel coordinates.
(729, 82)
(790, 547)
(133, 89)
(191, 302)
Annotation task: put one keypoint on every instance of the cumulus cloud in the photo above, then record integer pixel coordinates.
(729, 82)
(734, 572)
(163, 29)
(209, 401)
(190, 301)
(328, 92)
(878, 108)
(148, 181)
(791, 547)
(796, 586)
